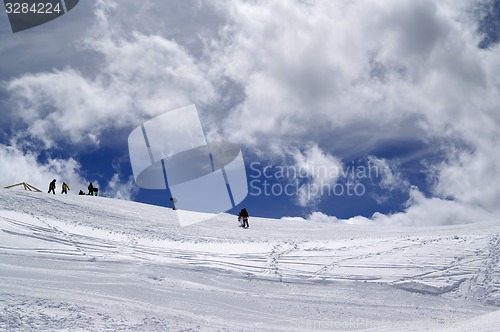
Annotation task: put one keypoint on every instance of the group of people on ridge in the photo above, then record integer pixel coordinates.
(92, 190)
(52, 189)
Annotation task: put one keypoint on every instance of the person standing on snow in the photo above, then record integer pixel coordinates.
(52, 187)
(65, 188)
(244, 217)
(91, 189)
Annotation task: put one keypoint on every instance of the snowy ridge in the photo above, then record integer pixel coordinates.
(80, 262)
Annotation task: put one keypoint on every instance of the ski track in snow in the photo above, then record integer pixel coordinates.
(91, 263)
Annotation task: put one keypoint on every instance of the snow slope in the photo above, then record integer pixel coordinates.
(92, 263)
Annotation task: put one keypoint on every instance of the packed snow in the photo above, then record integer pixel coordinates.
(93, 263)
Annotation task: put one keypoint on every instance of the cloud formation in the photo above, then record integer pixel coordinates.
(378, 70)
(319, 169)
(141, 76)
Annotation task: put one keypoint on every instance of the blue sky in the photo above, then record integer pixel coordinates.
(409, 88)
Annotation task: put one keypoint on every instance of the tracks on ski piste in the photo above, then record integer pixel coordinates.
(50, 239)
(278, 252)
(438, 265)
(486, 285)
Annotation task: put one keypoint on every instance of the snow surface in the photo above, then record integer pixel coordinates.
(93, 263)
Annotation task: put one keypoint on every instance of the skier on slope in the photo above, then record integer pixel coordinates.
(52, 187)
(244, 217)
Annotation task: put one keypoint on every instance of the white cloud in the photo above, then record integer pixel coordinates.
(389, 177)
(435, 211)
(320, 169)
(324, 218)
(329, 65)
(471, 177)
(140, 76)
(420, 211)
(302, 67)
(121, 190)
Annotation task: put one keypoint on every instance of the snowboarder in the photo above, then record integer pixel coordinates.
(52, 187)
(91, 189)
(244, 217)
(81, 192)
(65, 188)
